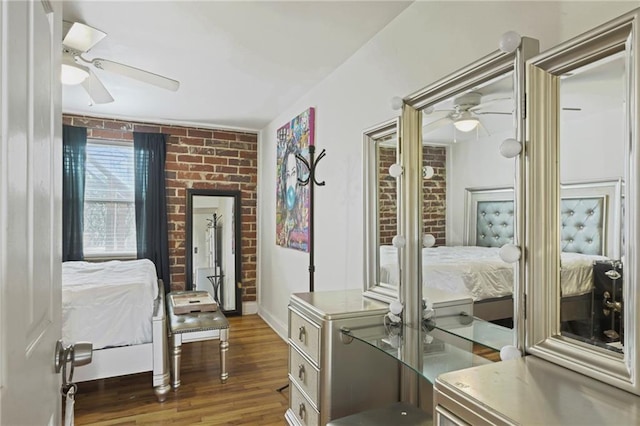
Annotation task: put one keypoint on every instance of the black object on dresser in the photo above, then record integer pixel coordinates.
(608, 303)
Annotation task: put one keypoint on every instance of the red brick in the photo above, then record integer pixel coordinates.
(226, 169)
(189, 158)
(224, 135)
(217, 160)
(108, 134)
(145, 128)
(172, 130)
(192, 142)
(199, 133)
(247, 138)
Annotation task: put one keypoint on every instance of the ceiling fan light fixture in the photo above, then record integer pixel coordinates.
(72, 73)
(466, 122)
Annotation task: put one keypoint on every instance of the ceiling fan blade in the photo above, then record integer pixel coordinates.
(96, 90)
(136, 73)
(436, 125)
(493, 113)
(483, 127)
(488, 102)
(81, 37)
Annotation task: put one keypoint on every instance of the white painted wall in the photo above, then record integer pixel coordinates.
(426, 42)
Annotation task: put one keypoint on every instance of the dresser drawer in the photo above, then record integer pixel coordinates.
(303, 373)
(302, 408)
(305, 335)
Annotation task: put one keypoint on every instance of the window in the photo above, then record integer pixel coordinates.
(109, 200)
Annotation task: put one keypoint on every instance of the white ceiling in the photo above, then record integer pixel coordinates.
(239, 63)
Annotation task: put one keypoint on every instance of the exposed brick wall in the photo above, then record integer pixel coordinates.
(387, 196)
(434, 192)
(202, 159)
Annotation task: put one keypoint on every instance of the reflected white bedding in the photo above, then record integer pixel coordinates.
(108, 303)
(480, 273)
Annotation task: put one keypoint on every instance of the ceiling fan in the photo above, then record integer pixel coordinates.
(466, 112)
(78, 40)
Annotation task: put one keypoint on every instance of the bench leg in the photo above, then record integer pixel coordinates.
(224, 347)
(176, 350)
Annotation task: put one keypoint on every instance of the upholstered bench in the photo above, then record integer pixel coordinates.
(196, 326)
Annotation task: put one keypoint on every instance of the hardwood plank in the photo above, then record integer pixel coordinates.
(257, 362)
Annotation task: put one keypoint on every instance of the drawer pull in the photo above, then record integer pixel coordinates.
(302, 333)
(302, 411)
(301, 372)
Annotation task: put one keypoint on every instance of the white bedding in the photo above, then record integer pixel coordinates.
(480, 273)
(108, 303)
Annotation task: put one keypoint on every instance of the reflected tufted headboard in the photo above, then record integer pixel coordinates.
(590, 216)
(494, 223)
(582, 225)
(489, 217)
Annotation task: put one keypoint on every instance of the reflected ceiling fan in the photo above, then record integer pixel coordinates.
(465, 113)
(76, 69)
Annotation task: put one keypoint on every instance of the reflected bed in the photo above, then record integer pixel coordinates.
(590, 215)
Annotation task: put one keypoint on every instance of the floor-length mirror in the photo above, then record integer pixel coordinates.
(213, 245)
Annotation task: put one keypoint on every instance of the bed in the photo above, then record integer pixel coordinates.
(480, 273)
(590, 213)
(119, 307)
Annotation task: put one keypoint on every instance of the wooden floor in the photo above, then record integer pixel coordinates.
(257, 362)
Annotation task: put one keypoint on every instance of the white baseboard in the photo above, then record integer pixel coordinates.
(276, 325)
(249, 308)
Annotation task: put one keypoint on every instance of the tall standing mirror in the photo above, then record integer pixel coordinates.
(583, 123)
(213, 258)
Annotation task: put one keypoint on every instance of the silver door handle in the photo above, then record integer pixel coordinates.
(80, 353)
(302, 332)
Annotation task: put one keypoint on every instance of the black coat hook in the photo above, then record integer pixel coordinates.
(311, 167)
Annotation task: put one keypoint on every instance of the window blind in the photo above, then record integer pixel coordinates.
(109, 210)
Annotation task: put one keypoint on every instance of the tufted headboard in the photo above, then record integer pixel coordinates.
(582, 225)
(590, 214)
(494, 223)
(489, 217)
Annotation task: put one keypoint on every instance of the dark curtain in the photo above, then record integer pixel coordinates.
(74, 156)
(151, 204)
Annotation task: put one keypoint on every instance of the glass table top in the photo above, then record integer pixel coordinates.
(436, 347)
(478, 331)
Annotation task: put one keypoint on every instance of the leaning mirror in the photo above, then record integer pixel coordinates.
(213, 245)
(582, 224)
(381, 211)
(465, 143)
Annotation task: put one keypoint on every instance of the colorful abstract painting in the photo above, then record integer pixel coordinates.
(292, 199)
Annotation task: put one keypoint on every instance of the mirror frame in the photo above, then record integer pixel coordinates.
(237, 235)
(485, 69)
(543, 194)
(372, 287)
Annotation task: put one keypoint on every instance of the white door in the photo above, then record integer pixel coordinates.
(30, 211)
